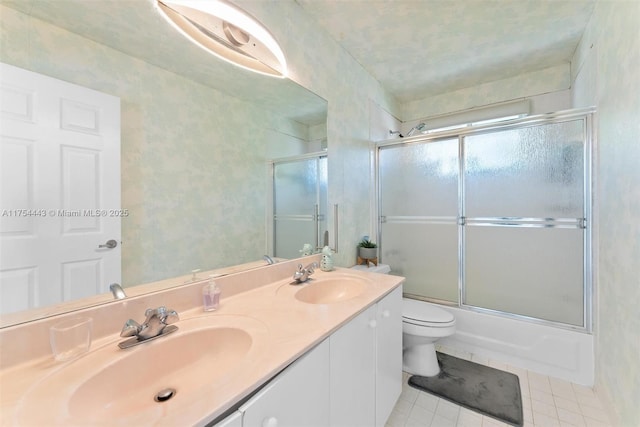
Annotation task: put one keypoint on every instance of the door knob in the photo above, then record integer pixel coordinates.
(109, 245)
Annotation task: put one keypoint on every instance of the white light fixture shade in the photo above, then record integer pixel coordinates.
(227, 32)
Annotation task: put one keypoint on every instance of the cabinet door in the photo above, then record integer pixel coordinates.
(297, 397)
(233, 420)
(353, 372)
(388, 354)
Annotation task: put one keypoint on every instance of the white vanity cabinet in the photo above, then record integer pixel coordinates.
(233, 420)
(352, 379)
(297, 397)
(352, 367)
(366, 365)
(388, 354)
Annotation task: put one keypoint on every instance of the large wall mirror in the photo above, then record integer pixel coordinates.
(196, 132)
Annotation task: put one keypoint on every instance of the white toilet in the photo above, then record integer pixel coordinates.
(422, 325)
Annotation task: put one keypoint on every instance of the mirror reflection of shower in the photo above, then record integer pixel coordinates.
(299, 204)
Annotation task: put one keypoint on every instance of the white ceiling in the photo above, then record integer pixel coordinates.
(419, 48)
(414, 48)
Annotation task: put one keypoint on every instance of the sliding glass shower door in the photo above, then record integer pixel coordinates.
(493, 219)
(299, 204)
(419, 205)
(524, 221)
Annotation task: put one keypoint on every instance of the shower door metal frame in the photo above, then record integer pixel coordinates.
(585, 223)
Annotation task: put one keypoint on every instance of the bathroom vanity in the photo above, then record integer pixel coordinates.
(351, 378)
(325, 352)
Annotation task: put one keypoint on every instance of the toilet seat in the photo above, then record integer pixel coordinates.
(425, 324)
(420, 313)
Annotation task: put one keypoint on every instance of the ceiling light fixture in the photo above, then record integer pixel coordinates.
(227, 32)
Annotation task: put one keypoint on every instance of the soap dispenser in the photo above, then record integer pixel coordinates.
(211, 295)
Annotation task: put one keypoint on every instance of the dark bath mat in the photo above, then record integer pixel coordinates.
(477, 387)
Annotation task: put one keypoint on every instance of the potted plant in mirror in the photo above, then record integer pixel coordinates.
(367, 249)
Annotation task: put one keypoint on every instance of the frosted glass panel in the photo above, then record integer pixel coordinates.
(323, 204)
(299, 188)
(532, 172)
(536, 272)
(420, 179)
(295, 187)
(426, 254)
(290, 235)
(521, 214)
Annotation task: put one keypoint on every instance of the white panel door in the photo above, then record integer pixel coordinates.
(60, 190)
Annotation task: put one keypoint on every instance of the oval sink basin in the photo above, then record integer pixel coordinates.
(190, 360)
(141, 384)
(331, 290)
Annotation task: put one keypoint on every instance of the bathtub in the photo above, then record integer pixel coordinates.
(547, 350)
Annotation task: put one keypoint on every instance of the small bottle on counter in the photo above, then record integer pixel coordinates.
(326, 264)
(211, 295)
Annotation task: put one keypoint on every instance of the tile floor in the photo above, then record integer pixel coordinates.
(546, 402)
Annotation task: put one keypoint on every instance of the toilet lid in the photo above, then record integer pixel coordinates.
(423, 312)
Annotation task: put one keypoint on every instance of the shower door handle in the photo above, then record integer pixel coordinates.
(316, 219)
(335, 228)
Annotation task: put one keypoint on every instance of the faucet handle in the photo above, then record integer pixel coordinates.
(171, 316)
(165, 316)
(130, 328)
(155, 311)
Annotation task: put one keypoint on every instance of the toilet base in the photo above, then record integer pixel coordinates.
(421, 360)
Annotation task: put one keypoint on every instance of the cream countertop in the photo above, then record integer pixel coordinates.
(282, 327)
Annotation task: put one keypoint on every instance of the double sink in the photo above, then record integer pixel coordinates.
(154, 381)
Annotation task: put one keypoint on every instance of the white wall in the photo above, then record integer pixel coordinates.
(550, 102)
(541, 91)
(381, 122)
(606, 70)
(546, 87)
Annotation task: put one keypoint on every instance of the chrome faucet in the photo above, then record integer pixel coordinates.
(268, 259)
(117, 291)
(156, 325)
(302, 274)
